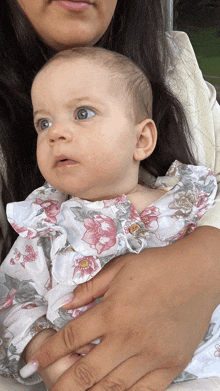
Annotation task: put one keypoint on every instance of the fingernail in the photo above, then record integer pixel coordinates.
(29, 369)
(96, 341)
(64, 300)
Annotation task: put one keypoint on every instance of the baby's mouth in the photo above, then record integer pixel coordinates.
(64, 161)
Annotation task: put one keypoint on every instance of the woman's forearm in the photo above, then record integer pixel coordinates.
(193, 260)
(196, 259)
(164, 298)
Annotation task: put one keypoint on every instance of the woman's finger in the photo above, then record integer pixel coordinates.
(68, 339)
(85, 349)
(51, 374)
(157, 380)
(96, 287)
(131, 375)
(92, 368)
(125, 375)
(128, 375)
(118, 372)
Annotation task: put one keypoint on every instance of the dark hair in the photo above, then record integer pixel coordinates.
(137, 31)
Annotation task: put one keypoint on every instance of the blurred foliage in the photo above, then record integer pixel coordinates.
(203, 13)
(200, 19)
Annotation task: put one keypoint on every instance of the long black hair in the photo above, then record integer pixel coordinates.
(137, 31)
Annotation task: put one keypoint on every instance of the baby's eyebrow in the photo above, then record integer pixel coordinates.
(86, 99)
(39, 112)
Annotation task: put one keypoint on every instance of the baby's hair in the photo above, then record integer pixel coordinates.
(126, 77)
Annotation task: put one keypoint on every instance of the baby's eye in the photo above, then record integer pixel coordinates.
(44, 123)
(84, 113)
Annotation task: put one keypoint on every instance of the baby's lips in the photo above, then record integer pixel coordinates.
(63, 160)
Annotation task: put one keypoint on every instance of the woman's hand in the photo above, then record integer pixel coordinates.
(154, 314)
(55, 370)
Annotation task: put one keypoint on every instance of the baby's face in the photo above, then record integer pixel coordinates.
(86, 140)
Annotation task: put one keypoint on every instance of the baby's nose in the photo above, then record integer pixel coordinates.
(59, 132)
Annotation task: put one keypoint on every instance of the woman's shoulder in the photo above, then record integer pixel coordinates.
(198, 98)
(182, 59)
(179, 40)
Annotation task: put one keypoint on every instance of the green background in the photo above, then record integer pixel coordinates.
(200, 19)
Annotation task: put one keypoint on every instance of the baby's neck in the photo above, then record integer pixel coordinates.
(142, 197)
(139, 196)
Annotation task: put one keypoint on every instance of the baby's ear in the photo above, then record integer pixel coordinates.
(146, 139)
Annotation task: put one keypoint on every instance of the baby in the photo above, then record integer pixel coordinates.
(93, 117)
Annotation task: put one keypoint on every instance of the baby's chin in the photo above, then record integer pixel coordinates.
(87, 193)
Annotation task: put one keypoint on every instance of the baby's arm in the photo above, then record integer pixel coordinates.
(23, 284)
(54, 371)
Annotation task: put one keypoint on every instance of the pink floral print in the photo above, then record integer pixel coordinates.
(134, 214)
(31, 256)
(100, 232)
(72, 247)
(202, 203)
(51, 208)
(115, 201)
(217, 352)
(150, 218)
(22, 230)
(79, 311)
(86, 266)
(202, 199)
(9, 300)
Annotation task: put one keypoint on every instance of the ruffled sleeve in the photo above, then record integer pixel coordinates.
(38, 213)
(25, 277)
(190, 193)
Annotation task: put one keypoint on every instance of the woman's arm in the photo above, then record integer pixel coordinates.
(198, 99)
(155, 312)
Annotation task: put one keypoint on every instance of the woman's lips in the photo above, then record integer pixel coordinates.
(77, 6)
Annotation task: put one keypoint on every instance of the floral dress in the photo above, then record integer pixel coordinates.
(64, 241)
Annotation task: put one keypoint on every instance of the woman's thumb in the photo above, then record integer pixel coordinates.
(96, 287)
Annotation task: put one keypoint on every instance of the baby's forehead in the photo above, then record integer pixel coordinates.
(83, 68)
(56, 81)
(60, 64)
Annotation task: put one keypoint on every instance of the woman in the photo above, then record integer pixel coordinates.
(186, 295)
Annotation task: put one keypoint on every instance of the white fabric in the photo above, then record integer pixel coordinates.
(211, 384)
(202, 110)
(11, 385)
